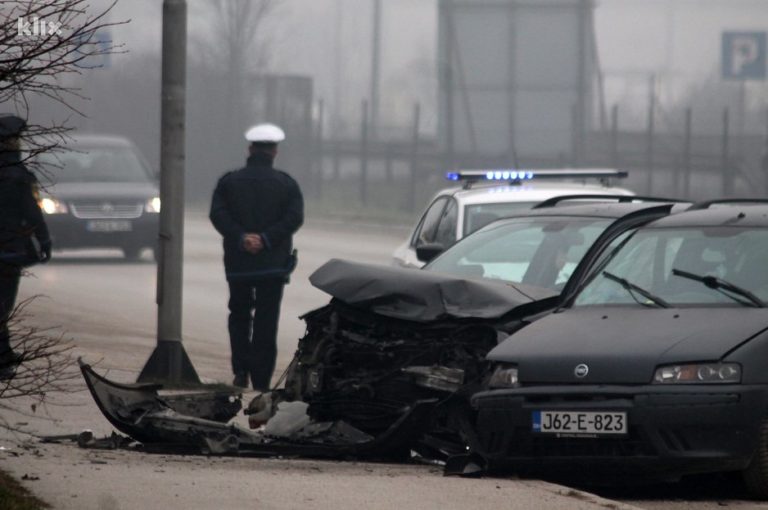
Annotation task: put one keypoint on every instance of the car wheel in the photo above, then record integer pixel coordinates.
(132, 253)
(756, 474)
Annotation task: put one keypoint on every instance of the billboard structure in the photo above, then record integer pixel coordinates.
(516, 79)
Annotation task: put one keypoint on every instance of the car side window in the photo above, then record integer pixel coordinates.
(427, 229)
(446, 229)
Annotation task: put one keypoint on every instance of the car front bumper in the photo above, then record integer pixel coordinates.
(671, 430)
(68, 231)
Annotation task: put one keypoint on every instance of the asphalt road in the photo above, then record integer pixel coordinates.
(106, 306)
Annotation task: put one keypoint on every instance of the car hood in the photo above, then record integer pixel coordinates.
(102, 190)
(624, 345)
(416, 295)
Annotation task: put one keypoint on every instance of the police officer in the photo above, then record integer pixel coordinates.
(24, 238)
(257, 209)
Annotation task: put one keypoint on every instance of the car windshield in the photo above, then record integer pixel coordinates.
(479, 215)
(541, 251)
(712, 266)
(96, 164)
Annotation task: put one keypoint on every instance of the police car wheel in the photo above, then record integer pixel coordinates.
(132, 252)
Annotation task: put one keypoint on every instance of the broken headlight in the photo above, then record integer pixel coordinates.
(504, 376)
(698, 373)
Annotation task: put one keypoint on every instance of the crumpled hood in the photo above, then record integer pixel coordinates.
(624, 345)
(102, 190)
(422, 296)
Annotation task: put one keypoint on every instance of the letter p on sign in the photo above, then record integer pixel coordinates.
(744, 55)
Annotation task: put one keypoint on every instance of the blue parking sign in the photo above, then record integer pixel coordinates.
(744, 55)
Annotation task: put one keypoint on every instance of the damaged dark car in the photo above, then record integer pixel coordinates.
(393, 337)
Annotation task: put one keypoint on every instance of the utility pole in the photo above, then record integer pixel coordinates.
(169, 362)
(375, 68)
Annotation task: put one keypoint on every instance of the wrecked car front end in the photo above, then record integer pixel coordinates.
(393, 337)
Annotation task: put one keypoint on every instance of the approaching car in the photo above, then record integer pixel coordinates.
(103, 196)
(658, 363)
(487, 196)
(393, 336)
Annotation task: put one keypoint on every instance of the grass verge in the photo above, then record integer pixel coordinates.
(15, 497)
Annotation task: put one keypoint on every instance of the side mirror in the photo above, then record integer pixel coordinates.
(428, 251)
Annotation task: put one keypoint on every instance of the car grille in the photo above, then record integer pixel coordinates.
(106, 210)
(526, 444)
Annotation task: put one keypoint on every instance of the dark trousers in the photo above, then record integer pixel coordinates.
(254, 311)
(9, 287)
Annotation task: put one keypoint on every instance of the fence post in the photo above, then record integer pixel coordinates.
(414, 157)
(651, 132)
(615, 136)
(687, 153)
(319, 149)
(727, 173)
(364, 155)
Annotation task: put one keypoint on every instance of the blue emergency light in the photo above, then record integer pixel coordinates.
(517, 176)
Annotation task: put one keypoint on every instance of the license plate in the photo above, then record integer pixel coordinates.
(109, 226)
(592, 423)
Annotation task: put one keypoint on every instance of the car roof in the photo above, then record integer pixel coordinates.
(736, 215)
(610, 210)
(527, 192)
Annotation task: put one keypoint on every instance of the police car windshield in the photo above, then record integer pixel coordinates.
(96, 164)
(479, 215)
(541, 251)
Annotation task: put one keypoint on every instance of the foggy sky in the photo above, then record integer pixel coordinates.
(678, 41)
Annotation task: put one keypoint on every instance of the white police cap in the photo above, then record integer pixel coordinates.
(265, 133)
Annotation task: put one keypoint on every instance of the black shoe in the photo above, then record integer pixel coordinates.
(241, 380)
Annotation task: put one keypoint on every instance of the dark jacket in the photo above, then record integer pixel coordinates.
(21, 221)
(262, 200)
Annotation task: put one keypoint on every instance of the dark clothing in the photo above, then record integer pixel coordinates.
(254, 311)
(20, 220)
(262, 200)
(9, 287)
(257, 199)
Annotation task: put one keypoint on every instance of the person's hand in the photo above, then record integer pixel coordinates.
(252, 243)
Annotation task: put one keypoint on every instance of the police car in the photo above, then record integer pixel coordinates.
(487, 195)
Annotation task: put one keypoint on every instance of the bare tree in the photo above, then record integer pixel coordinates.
(41, 42)
(238, 46)
(46, 365)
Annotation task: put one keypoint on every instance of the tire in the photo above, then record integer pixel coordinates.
(132, 253)
(756, 474)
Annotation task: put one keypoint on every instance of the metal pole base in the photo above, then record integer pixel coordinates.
(170, 365)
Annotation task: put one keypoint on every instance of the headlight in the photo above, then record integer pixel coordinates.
(153, 205)
(51, 206)
(504, 377)
(699, 373)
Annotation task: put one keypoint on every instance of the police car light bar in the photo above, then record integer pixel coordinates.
(526, 175)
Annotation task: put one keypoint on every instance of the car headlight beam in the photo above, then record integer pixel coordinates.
(504, 376)
(52, 206)
(153, 205)
(698, 373)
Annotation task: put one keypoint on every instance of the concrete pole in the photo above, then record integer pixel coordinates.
(169, 362)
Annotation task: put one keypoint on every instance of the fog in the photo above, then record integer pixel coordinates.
(663, 55)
